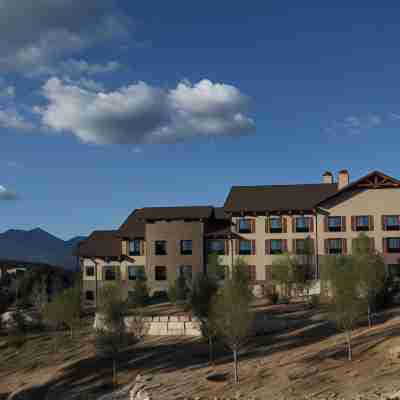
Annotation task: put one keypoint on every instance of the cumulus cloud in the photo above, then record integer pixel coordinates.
(7, 194)
(35, 33)
(141, 113)
(83, 67)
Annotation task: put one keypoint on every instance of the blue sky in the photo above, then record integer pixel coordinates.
(106, 106)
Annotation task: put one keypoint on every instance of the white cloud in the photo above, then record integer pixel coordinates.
(10, 118)
(354, 124)
(34, 34)
(140, 113)
(83, 67)
(7, 194)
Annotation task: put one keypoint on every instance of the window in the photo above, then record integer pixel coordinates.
(160, 273)
(185, 270)
(391, 222)
(109, 273)
(160, 247)
(276, 246)
(334, 224)
(303, 224)
(89, 295)
(186, 247)
(394, 270)
(136, 272)
(245, 225)
(244, 247)
(334, 246)
(134, 247)
(216, 246)
(300, 246)
(275, 224)
(362, 223)
(393, 245)
(89, 270)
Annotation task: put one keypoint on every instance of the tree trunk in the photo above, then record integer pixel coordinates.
(349, 351)
(210, 350)
(235, 363)
(72, 333)
(369, 316)
(115, 372)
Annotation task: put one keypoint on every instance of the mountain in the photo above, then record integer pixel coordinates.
(37, 245)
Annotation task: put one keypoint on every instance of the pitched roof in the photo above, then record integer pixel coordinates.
(277, 197)
(100, 244)
(133, 227)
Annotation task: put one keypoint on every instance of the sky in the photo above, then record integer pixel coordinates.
(107, 106)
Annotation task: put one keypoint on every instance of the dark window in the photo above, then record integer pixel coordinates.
(89, 295)
(275, 224)
(334, 224)
(186, 247)
(392, 222)
(109, 273)
(135, 272)
(302, 224)
(394, 270)
(216, 246)
(244, 247)
(134, 247)
(160, 273)
(393, 245)
(244, 225)
(300, 246)
(335, 246)
(160, 247)
(186, 271)
(276, 246)
(362, 223)
(90, 271)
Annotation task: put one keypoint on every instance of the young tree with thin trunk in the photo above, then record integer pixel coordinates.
(371, 269)
(347, 304)
(285, 272)
(70, 303)
(113, 337)
(231, 313)
(203, 291)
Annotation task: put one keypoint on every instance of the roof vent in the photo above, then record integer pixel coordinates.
(327, 177)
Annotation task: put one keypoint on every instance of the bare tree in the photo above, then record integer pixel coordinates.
(231, 315)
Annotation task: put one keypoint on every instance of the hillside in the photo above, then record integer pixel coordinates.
(37, 245)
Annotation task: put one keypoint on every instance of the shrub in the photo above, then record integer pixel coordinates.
(179, 292)
(314, 300)
(273, 297)
(139, 297)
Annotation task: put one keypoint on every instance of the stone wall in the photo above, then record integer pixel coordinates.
(173, 325)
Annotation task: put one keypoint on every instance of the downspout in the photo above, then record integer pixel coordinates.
(96, 280)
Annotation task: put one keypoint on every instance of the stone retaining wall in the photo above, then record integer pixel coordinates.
(173, 325)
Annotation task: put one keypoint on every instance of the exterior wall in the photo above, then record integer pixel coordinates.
(375, 202)
(173, 232)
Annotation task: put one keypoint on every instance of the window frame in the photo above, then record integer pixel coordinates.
(392, 228)
(245, 230)
(157, 271)
(107, 269)
(135, 276)
(246, 252)
(307, 225)
(340, 248)
(186, 271)
(92, 268)
(158, 242)
(276, 251)
(137, 251)
(186, 252)
(220, 252)
(362, 228)
(274, 229)
(391, 250)
(335, 228)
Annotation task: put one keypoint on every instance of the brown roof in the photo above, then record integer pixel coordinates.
(134, 226)
(277, 197)
(100, 244)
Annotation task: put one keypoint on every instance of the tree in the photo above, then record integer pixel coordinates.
(54, 317)
(39, 296)
(139, 297)
(179, 291)
(203, 291)
(113, 337)
(371, 270)
(285, 271)
(230, 312)
(70, 305)
(347, 304)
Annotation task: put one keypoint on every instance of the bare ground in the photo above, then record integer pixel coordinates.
(306, 361)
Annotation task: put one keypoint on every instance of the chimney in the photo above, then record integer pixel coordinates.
(327, 177)
(343, 178)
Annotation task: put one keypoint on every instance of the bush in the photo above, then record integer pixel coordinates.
(179, 292)
(273, 297)
(139, 297)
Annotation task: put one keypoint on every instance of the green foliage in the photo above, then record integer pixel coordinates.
(139, 297)
(231, 315)
(273, 297)
(178, 293)
(286, 272)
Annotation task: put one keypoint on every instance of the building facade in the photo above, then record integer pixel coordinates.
(257, 223)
